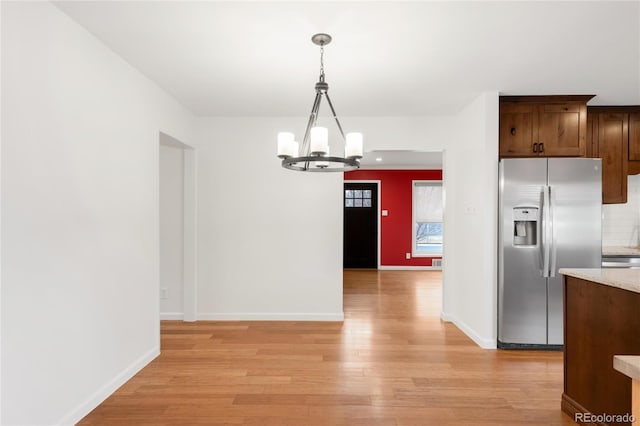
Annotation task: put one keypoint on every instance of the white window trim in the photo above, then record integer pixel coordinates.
(414, 252)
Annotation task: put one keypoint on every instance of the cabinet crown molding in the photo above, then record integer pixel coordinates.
(613, 108)
(548, 99)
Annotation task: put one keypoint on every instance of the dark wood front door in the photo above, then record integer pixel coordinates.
(360, 225)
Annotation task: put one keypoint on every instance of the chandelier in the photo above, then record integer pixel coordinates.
(313, 155)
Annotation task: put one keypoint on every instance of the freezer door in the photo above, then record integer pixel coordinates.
(522, 290)
(576, 211)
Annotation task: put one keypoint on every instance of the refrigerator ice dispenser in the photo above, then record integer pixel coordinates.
(525, 226)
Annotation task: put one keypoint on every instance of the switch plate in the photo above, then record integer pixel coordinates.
(408, 255)
(164, 293)
(470, 210)
(385, 212)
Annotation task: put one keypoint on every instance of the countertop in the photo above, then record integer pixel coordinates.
(620, 251)
(626, 279)
(628, 365)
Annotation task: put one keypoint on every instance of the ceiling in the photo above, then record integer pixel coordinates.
(399, 159)
(387, 58)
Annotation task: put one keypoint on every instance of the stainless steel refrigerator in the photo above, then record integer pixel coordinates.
(550, 218)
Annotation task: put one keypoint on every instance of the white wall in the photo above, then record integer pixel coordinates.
(430, 133)
(470, 245)
(171, 231)
(79, 216)
(1, 137)
(270, 239)
(621, 222)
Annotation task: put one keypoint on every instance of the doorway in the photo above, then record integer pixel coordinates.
(177, 214)
(360, 242)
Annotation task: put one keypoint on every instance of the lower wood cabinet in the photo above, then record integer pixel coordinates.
(599, 322)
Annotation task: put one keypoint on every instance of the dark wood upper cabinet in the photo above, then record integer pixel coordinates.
(543, 126)
(518, 129)
(632, 119)
(634, 136)
(609, 140)
(560, 133)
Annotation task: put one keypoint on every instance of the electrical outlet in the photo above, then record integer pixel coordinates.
(408, 255)
(164, 293)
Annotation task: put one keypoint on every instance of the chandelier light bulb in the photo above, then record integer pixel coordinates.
(285, 144)
(319, 140)
(295, 148)
(353, 145)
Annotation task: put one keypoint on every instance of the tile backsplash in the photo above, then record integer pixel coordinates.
(621, 222)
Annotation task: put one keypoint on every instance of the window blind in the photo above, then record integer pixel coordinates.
(428, 202)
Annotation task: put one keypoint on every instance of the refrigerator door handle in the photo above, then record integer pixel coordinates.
(541, 234)
(545, 231)
(552, 238)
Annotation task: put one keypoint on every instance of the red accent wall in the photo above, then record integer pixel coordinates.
(395, 197)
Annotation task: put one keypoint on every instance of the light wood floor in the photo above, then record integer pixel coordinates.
(392, 362)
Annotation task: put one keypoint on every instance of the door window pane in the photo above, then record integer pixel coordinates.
(357, 198)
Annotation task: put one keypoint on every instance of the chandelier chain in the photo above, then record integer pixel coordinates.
(322, 63)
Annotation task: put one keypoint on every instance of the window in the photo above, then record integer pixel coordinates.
(427, 218)
(357, 198)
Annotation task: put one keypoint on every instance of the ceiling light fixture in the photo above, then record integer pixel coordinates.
(314, 155)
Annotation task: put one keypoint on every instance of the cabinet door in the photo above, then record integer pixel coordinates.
(634, 137)
(592, 135)
(613, 137)
(561, 132)
(518, 130)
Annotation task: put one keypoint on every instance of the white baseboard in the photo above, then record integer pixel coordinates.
(479, 340)
(409, 268)
(445, 317)
(338, 316)
(179, 316)
(75, 415)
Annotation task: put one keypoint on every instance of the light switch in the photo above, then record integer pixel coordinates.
(470, 210)
(385, 212)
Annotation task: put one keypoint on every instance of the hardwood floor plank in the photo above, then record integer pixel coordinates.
(391, 362)
(302, 399)
(216, 411)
